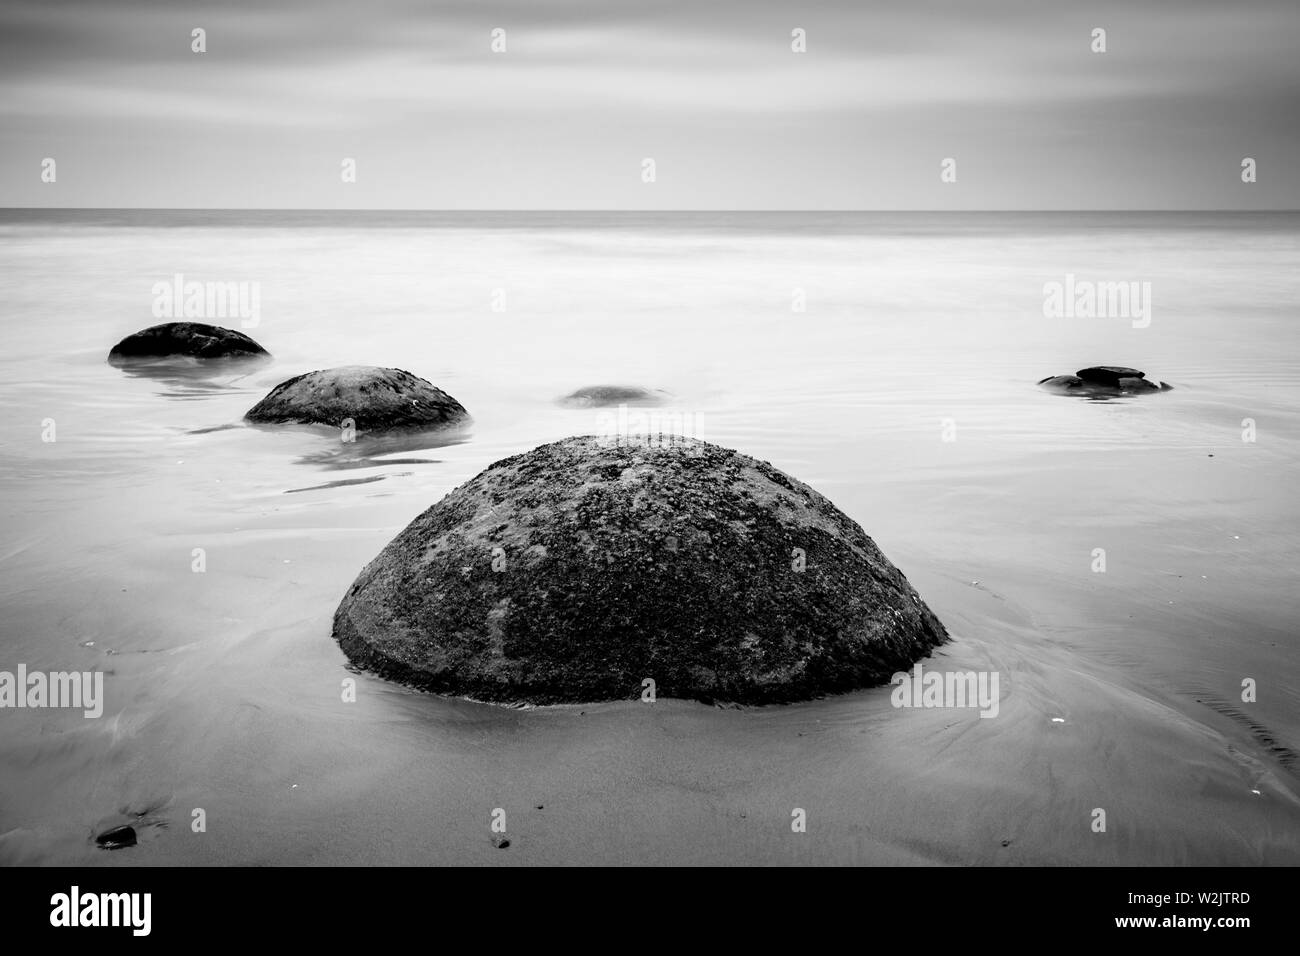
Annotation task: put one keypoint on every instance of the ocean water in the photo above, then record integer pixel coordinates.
(889, 360)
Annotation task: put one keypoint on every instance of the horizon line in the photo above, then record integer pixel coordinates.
(385, 209)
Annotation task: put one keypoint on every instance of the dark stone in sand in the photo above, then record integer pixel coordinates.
(548, 578)
(116, 838)
(1103, 381)
(376, 399)
(1108, 374)
(600, 396)
(184, 340)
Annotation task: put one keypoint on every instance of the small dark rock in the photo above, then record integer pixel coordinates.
(184, 340)
(1108, 374)
(1103, 381)
(116, 838)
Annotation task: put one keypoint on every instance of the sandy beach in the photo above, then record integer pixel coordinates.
(1118, 691)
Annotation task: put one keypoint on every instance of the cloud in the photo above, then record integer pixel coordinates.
(334, 70)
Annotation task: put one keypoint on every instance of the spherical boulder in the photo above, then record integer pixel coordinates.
(602, 396)
(375, 399)
(578, 570)
(184, 340)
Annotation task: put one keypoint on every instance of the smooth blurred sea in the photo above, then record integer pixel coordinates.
(223, 687)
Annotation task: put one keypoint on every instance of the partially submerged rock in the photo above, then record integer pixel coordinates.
(1109, 374)
(1104, 381)
(193, 340)
(602, 396)
(375, 399)
(581, 569)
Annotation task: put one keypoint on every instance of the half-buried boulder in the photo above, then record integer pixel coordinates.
(580, 569)
(184, 340)
(375, 399)
(602, 396)
(1104, 381)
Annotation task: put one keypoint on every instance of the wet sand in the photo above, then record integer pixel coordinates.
(291, 774)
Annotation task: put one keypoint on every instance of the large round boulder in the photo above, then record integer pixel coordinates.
(375, 399)
(582, 568)
(184, 340)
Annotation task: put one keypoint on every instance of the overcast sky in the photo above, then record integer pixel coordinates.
(709, 89)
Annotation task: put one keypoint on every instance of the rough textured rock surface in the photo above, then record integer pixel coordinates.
(376, 399)
(1104, 381)
(185, 339)
(575, 571)
(600, 396)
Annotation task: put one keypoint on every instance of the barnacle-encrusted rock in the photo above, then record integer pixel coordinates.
(375, 399)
